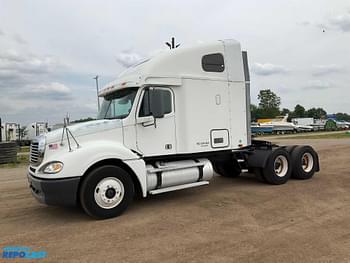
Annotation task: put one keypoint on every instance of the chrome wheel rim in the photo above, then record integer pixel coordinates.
(307, 162)
(281, 166)
(109, 192)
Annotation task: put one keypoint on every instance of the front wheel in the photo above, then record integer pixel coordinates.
(106, 192)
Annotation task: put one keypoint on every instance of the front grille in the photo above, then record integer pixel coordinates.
(34, 153)
(37, 149)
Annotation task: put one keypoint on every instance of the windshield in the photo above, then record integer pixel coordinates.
(118, 104)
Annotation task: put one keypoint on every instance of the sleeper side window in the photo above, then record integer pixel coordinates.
(213, 62)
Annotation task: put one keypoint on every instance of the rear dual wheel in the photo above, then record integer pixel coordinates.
(304, 161)
(300, 162)
(278, 167)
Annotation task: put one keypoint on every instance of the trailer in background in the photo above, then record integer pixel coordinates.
(303, 121)
(9, 132)
(256, 129)
(319, 124)
(342, 125)
(33, 130)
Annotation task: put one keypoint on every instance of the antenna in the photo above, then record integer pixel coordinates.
(67, 119)
(172, 45)
(98, 101)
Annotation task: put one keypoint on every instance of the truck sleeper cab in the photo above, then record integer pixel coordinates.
(165, 124)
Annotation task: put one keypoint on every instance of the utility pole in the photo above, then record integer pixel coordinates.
(98, 100)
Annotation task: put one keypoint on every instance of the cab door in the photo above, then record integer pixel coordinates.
(156, 136)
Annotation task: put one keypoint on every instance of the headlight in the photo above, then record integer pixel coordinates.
(52, 168)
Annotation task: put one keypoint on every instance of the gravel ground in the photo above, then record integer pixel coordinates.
(231, 220)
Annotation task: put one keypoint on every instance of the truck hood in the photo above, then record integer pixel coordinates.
(85, 128)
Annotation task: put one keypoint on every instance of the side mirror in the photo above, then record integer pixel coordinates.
(157, 103)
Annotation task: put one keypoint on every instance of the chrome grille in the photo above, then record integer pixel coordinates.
(35, 156)
(37, 150)
(36, 153)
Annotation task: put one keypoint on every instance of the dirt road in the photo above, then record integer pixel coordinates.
(231, 220)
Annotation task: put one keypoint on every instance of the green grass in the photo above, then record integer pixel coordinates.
(21, 161)
(344, 135)
(24, 149)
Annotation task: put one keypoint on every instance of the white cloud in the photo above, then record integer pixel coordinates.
(52, 90)
(317, 85)
(268, 69)
(341, 22)
(321, 70)
(45, 93)
(19, 69)
(304, 23)
(26, 63)
(19, 39)
(10, 55)
(128, 58)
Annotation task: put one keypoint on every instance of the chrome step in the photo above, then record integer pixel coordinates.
(177, 187)
(173, 167)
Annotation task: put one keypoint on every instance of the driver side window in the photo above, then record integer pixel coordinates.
(145, 109)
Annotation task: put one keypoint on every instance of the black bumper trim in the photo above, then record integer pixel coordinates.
(61, 192)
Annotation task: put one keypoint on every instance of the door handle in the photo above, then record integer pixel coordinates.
(146, 121)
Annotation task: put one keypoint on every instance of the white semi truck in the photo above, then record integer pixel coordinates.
(165, 124)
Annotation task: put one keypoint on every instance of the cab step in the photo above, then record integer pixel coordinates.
(174, 167)
(177, 187)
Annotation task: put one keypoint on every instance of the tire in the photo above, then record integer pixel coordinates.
(106, 192)
(229, 168)
(305, 162)
(278, 167)
(290, 148)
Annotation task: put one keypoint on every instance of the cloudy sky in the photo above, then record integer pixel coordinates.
(51, 50)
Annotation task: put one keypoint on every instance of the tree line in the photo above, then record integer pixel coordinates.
(269, 107)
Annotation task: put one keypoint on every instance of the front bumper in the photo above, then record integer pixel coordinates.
(62, 192)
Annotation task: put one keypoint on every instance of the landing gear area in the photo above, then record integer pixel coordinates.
(271, 163)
